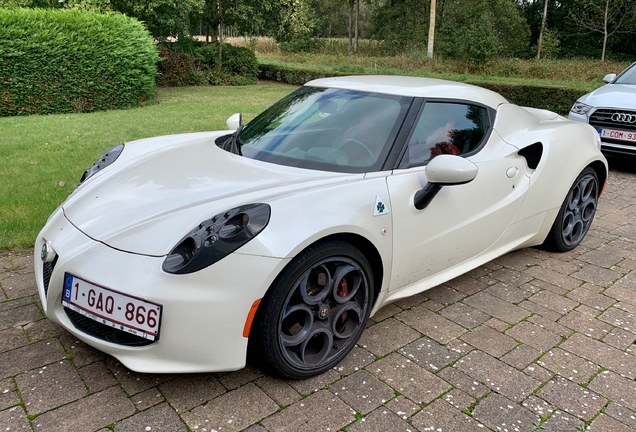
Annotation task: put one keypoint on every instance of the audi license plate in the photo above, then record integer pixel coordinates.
(617, 135)
(121, 311)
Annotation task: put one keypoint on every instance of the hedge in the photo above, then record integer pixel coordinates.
(554, 98)
(61, 61)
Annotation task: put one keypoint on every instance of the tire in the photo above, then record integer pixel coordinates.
(576, 213)
(315, 311)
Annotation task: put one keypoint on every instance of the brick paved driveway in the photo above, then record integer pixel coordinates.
(532, 340)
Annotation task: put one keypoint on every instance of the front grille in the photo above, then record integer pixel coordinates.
(104, 332)
(602, 118)
(47, 271)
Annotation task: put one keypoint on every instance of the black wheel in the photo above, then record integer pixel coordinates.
(576, 214)
(315, 311)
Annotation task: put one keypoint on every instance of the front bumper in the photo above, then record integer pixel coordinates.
(608, 146)
(204, 313)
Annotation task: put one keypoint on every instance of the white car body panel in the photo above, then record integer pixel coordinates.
(116, 229)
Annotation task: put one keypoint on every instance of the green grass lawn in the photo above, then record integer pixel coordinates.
(43, 157)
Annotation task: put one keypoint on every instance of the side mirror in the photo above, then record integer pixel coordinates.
(443, 170)
(234, 121)
(609, 78)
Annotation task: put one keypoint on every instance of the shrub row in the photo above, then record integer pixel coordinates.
(60, 61)
(190, 62)
(554, 98)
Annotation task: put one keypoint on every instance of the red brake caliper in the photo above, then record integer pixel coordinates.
(343, 291)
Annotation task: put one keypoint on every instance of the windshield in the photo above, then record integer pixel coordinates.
(326, 129)
(627, 77)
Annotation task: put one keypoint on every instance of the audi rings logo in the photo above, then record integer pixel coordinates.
(624, 118)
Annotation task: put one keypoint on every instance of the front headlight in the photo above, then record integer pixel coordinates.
(217, 237)
(580, 108)
(104, 160)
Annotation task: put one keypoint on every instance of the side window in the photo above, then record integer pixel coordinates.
(446, 128)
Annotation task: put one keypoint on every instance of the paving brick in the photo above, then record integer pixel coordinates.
(277, 389)
(550, 325)
(563, 267)
(563, 422)
(405, 376)
(386, 312)
(550, 300)
(403, 407)
(538, 285)
(508, 293)
(572, 398)
(134, 382)
(497, 375)
(459, 399)
(489, 340)
(380, 420)
(568, 365)
(602, 258)
(14, 419)
(464, 315)
(160, 418)
(222, 413)
(628, 281)
(97, 410)
(540, 310)
(12, 304)
(12, 338)
(442, 416)
(30, 356)
(97, 377)
(19, 285)
(553, 277)
(19, 316)
(589, 326)
(240, 377)
(538, 406)
(521, 356)
(622, 414)
(620, 338)
(431, 324)
(312, 385)
(620, 318)
(445, 295)
(411, 302)
(389, 335)
(320, 411)
(518, 260)
(50, 386)
(188, 391)
(500, 413)
(432, 305)
(597, 275)
(467, 284)
(8, 394)
(511, 277)
(602, 354)
(605, 423)
(592, 299)
(534, 336)
(496, 307)
(43, 329)
(362, 391)
(429, 354)
(81, 353)
(147, 399)
(615, 388)
(463, 382)
(355, 360)
(538, 372)
(621, 293)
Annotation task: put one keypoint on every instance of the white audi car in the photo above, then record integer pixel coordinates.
(611, 110)
(182, 253)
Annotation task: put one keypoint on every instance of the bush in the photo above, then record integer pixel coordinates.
(554, 98)
(58, 61)
(200, 61)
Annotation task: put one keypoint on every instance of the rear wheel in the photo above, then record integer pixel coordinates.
(315, 312)
(576, 214)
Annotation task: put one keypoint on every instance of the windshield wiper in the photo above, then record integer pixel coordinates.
(235, 144)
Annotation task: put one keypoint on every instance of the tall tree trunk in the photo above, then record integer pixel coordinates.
(355, 46)
(220, 36)
(431, 29)
(607, 2)
(350, 25)
(545, 14)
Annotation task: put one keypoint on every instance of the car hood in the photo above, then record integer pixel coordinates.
(612, 96)
(161, 188)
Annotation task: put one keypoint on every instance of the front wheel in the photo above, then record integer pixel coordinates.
(315, 311)
(576, 214)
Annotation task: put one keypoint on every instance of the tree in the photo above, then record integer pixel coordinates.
(545, 15)
(605, 16)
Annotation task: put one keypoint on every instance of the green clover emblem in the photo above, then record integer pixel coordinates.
(380, 207)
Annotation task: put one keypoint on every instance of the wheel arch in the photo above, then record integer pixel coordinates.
(601, 173)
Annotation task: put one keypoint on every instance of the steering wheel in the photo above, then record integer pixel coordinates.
(359, 144)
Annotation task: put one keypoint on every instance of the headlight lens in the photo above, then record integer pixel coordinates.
(217, 237)
(580, 108)
(104, 160)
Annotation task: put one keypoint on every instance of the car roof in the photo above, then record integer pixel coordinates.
(413, 87)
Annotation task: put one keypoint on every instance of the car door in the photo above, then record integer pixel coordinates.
(461, 221)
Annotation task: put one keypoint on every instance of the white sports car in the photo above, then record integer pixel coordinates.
(182, 253)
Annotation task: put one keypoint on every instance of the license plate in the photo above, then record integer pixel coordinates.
(114, 309)
(617, 135)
